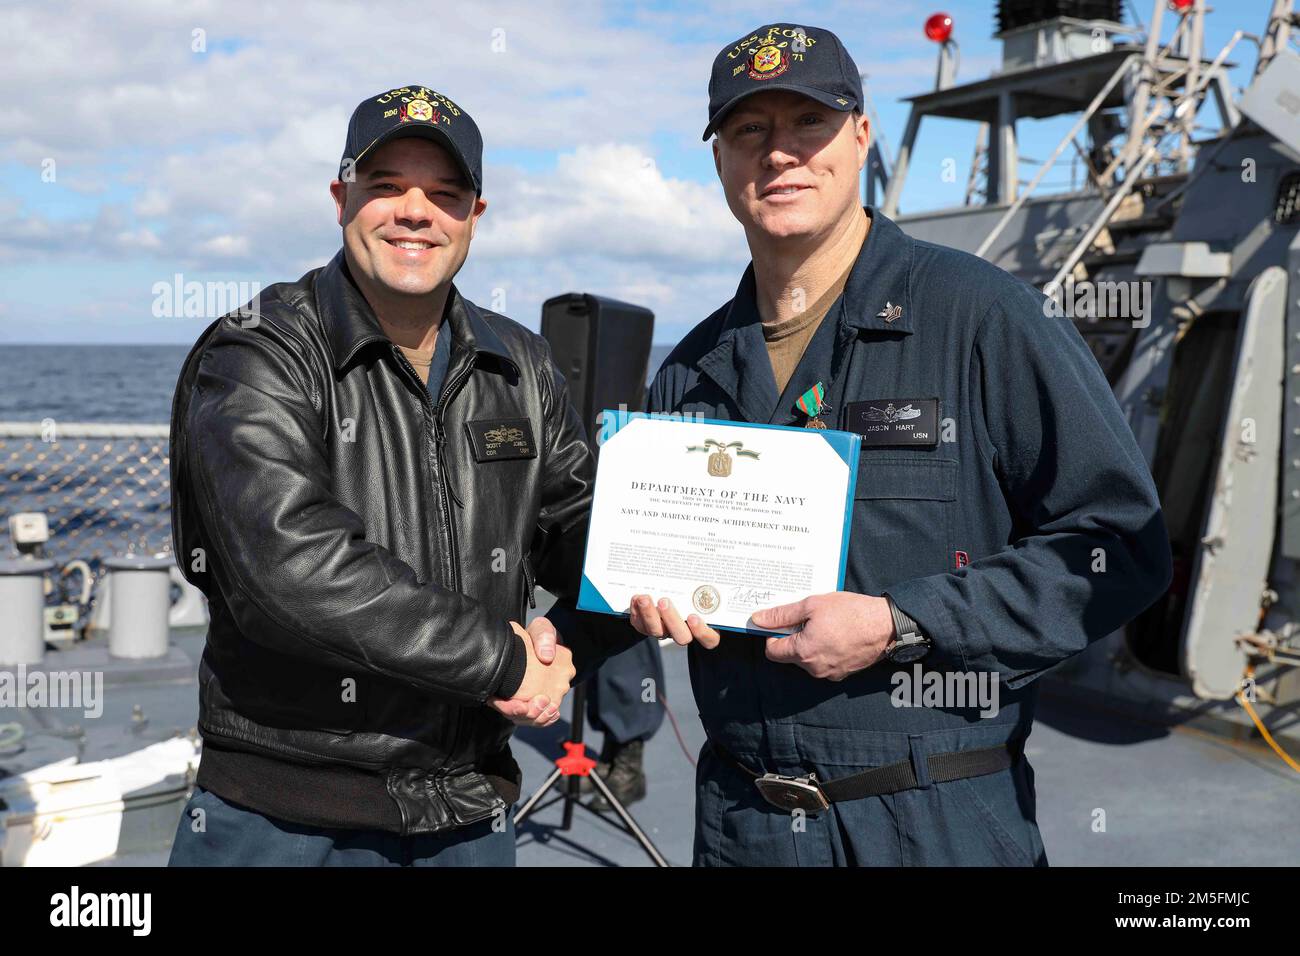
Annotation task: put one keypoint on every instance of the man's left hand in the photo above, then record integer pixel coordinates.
(842, 633)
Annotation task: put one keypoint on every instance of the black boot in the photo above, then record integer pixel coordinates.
(626, 778)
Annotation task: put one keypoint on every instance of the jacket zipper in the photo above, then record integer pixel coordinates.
(437, 430)
(448, 391)
(529, 586)
(434, 412)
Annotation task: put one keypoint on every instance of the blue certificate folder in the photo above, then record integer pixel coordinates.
(845, 444)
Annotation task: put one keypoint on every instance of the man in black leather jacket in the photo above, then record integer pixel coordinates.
(369, 476)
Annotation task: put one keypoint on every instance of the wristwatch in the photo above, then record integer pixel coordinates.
(909, 644)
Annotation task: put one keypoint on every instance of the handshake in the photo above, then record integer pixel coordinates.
(546, 680)
(550, 666)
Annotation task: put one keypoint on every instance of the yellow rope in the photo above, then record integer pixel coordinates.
(1241, 699)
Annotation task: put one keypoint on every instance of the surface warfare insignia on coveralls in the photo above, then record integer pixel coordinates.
(892, 414)
(890, 312)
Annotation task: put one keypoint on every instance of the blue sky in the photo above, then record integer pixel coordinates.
(214, 162)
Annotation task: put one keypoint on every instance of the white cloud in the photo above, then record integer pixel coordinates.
(143, 240)
(612, 198)
(29, 236)
(152, 203)
(125, 76)
(226, 247)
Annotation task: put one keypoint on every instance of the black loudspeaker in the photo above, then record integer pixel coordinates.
(602, 348)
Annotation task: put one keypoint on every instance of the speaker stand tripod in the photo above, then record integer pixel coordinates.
(568, 772)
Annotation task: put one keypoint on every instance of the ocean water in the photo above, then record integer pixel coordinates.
(105, 383)
(89, 383)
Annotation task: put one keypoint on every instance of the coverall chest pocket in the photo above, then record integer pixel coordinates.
(902, 520)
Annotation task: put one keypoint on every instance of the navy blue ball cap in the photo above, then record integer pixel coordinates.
(782, 56)
(414, 111)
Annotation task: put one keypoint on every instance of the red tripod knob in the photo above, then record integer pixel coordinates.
(575, 760)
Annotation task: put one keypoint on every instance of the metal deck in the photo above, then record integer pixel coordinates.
(1172, 796)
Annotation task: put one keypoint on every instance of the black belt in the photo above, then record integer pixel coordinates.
(811, 795)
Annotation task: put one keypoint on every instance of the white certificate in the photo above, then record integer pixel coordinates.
(722, 518)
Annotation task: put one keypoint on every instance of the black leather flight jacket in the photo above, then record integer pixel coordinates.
(362, 550)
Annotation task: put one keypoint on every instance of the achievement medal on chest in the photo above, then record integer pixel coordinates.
(812, 403)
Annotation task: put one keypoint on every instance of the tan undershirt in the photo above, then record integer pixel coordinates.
(420, 360)
(786, 341)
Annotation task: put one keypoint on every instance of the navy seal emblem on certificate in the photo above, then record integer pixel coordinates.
(722, 518)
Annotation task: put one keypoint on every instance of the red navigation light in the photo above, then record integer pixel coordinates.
(938, 28)
(1181, 6)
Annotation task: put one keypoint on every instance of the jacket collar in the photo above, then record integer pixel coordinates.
(878, 295)
(877, 298)
(739, 362)
(350, 323)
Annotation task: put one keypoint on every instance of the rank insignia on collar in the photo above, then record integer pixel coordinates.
(890, 312)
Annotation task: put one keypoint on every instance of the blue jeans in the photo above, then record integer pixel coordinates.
(214, 832)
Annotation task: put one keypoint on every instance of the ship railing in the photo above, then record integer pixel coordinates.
(105, 489)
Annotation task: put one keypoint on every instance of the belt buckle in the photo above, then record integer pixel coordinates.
(793, 793)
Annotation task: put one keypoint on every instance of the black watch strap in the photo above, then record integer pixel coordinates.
(910, 643)
(903, 622)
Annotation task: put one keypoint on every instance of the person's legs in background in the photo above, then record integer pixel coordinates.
(624, 704)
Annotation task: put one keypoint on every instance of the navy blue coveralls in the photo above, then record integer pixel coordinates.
(1037, 480)
(617, 704)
